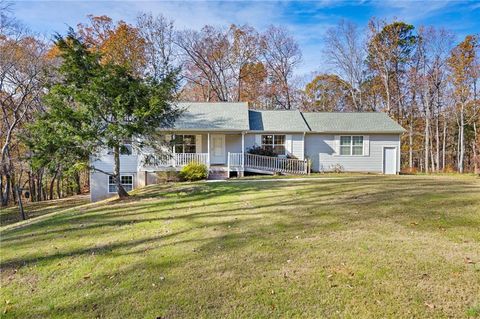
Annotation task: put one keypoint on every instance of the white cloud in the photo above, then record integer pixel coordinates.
(307, 21)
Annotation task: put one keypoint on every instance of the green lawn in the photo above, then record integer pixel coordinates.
(11, 215)
(353, 247)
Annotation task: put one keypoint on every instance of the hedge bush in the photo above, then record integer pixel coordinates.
(258, 150)
(193, 171)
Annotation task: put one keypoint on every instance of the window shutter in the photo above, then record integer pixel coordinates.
(366, 145)
(288, 144)
(336, 145)
(258, 140)
(198, 143)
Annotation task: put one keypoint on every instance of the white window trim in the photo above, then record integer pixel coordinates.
(351, 146)
(183, 144)
(108, 182)
(273, 142)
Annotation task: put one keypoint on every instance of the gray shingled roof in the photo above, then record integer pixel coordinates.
(221, 116)
(225, 116)
(277, 121)
(339, 122)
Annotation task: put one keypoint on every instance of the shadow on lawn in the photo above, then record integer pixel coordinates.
(225, 218)
(299, 204)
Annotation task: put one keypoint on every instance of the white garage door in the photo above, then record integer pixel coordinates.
(389, 160)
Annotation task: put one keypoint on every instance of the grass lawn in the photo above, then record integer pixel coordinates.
(353, 247)
(11, 214)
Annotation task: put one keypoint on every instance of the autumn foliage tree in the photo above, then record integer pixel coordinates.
(119, 43)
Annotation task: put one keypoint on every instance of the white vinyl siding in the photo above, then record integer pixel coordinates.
(128, 163)
(323, 150)
(198, 145)
(298, 146)
(258, 140)
(99, 185)
(233, 143)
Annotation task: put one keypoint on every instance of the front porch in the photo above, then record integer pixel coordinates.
(242, 162)
(224, 153)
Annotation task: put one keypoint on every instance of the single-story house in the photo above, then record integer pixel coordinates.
(220, 135)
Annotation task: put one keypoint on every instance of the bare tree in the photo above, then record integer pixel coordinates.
(462, 67)
(345, 50)
(206, 59)
(221, 61)
(246, 63)
(22, 66)
(282, 55)
(158, 33)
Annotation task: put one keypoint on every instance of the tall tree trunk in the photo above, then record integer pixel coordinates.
(474, 147)
(410, 143)
(1, 188)
(444, 142)
(78, 186)
(432, 158)
(437, 141)
(20, 204)
(120, 190)
(427, 136)
(6, 197)
(39, 185)
(52, 184)
(13, 182)
(31, 183)
(462, 140)
(59, 189)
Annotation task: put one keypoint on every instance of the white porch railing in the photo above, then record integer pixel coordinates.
(182, 159)
(235, 160)
(267, 163)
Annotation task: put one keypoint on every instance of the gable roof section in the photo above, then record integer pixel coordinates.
(230, 116)
(277, 121)
(343, 122)
(221, 116)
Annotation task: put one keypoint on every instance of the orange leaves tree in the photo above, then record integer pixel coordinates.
(119, 43)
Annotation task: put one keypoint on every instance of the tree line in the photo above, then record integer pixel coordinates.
(423, 77)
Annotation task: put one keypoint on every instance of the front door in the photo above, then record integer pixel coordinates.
(217, 149)
(389, 160)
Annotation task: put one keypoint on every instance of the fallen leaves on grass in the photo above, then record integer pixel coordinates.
(430, 305)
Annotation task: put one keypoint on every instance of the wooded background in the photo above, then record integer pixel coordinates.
(423, 77)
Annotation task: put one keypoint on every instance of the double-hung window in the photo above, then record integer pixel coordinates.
(351, 145)
(274, 143)
(125, 180)
(185, 143)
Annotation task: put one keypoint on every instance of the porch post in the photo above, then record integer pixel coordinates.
(174, 159)
(228, 163)
(243, 152)
(208, 150)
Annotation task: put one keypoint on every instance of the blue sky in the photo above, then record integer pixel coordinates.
(306, 20)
